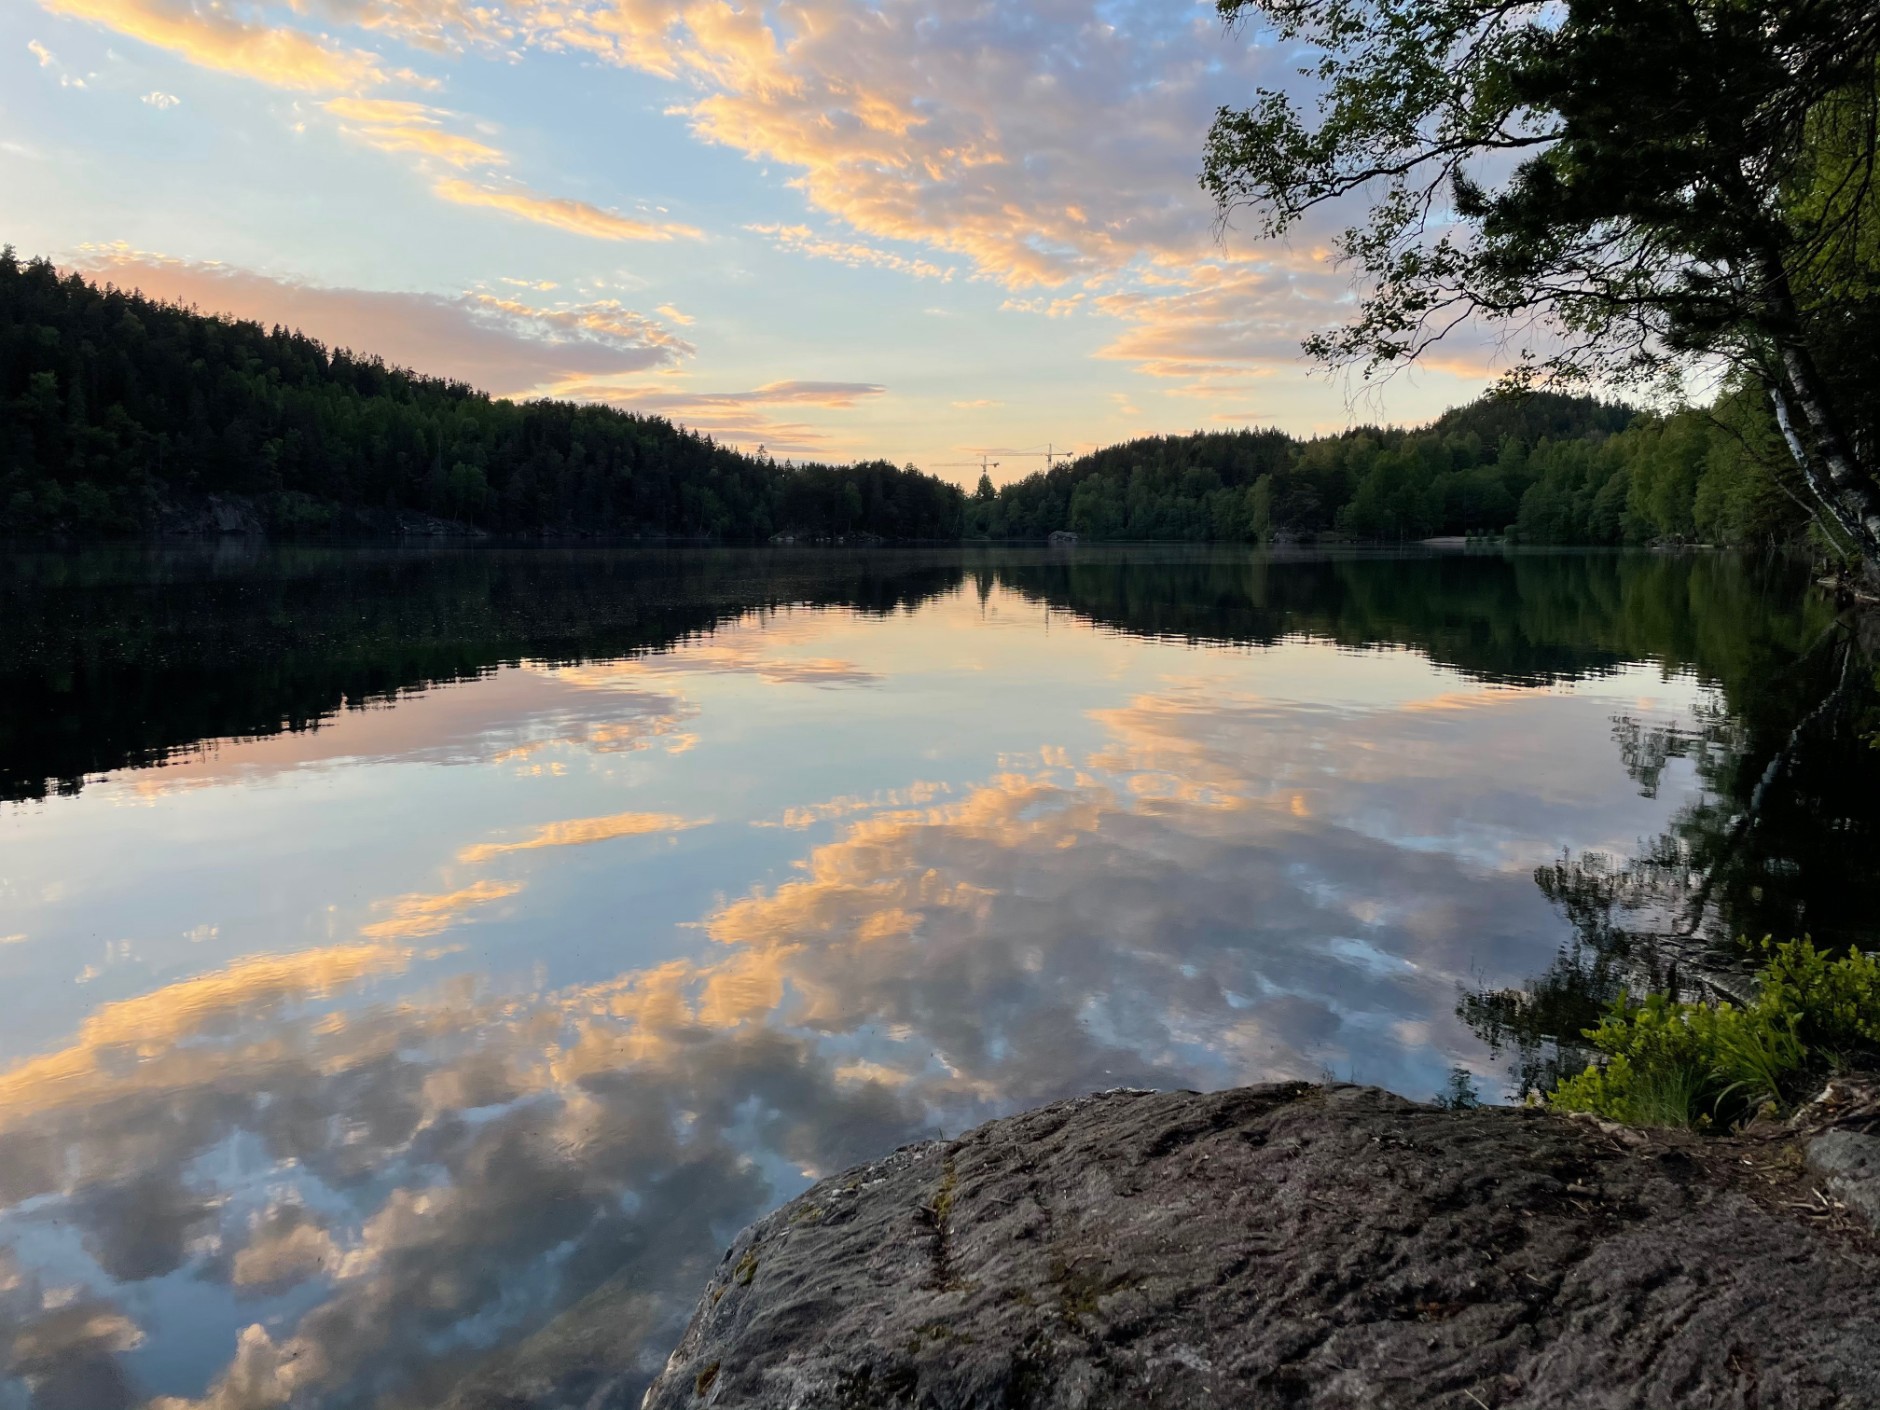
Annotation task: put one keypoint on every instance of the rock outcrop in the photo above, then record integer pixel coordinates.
(1296, 1246)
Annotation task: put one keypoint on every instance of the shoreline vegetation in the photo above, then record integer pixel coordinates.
(129, 418)
(1715, 1065)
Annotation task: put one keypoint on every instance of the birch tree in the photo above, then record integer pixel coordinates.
(1623, 190)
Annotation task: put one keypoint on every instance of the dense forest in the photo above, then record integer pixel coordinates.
(1543, 468)
(118, 409)
(122, 412)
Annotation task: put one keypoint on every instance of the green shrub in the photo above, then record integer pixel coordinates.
(1836, 1003)
(1682, 1064)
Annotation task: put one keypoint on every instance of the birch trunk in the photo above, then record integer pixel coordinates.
(1825, 500)
(1852, 487)
(1845, 488)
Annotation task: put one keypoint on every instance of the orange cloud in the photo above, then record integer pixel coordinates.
(581, 831)
(418, 915)
(1040, 152)
(740, 418)
(502, 345)
(919, 792)
(575, 217)
(411, 128)
(729, 656)
(800, 239)
(160, 1020)
(212, 38)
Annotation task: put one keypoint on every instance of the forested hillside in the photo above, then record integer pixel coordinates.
(117, 407)
(1547, 468)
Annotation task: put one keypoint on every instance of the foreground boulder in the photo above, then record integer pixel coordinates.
(1295, 1246)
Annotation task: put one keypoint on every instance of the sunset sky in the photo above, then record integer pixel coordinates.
(918, 229)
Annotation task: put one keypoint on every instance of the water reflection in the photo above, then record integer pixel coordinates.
(1778, 841)
(439, 1173)
(485, 1016)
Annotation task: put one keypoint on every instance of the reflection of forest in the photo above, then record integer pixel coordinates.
(1782, 840)
(1780, 843)
(124, 658)
(1516, 619)
(592, 1144)
(116, 660)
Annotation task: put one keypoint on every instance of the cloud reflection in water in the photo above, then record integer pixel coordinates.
(380, 1194)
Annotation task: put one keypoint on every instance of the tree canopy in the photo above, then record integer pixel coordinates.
(1548, 468)
(1627, 189)
(115, 408)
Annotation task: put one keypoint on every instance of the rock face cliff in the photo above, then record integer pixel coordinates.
(1296, 1246)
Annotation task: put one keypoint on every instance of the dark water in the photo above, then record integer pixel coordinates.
(414, 967)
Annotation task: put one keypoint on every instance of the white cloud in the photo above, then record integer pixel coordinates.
(50, 62)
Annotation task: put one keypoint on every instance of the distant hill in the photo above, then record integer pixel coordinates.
(1539, 416)
(1545, 468)
(119, 413)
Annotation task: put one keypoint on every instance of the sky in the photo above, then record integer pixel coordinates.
(926, 230)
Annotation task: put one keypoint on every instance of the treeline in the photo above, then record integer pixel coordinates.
(116, 409)
(1545, 469)
(119, 413)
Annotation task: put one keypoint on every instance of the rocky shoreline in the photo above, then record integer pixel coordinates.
(1306, 1246)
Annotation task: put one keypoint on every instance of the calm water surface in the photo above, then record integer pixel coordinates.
(414, 967)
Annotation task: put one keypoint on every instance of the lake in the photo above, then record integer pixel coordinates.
(415, 966)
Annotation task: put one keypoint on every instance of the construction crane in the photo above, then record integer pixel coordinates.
(1050, 455)
(985, 464)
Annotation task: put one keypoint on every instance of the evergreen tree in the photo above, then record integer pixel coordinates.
(113, 406)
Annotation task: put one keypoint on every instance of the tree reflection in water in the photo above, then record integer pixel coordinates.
(1780, 843)
(440, 1192)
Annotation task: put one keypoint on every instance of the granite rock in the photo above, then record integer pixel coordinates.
(1296, 1246)
(1850, 1162)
